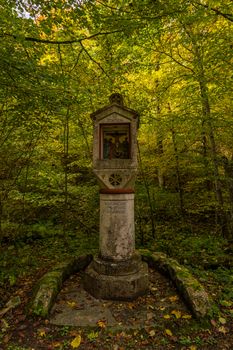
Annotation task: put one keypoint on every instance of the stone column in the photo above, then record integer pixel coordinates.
(118, 272)
(117, 241)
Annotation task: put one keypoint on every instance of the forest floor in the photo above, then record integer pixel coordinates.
(158, 320)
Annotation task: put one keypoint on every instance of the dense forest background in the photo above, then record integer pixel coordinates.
(172, 62)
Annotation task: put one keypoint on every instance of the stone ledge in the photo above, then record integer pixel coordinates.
(189, 287)
(47, 288)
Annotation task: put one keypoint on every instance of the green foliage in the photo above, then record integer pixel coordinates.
(185, 341)
(64, 331)
(16, 347)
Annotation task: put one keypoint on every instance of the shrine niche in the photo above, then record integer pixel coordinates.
(115, 141)
(115, 145)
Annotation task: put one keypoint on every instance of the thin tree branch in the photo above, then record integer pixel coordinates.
(228, 16)
(93, 60)
(58, 42)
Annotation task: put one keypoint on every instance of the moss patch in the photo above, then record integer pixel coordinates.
(47, 288)
(189, 287)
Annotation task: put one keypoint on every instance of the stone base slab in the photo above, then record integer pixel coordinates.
(123, 287)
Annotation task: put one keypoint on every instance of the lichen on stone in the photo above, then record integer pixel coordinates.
(189, 287)
(47, 288)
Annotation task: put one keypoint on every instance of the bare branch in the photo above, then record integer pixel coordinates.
(59, 42)
(93, 60)
(228, 16)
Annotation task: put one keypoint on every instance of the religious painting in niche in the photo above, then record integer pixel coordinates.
(115, 141)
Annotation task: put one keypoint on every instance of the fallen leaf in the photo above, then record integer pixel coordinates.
(41, 333)
(162, 308)
(193, 347)
(151, 307)
(176, 313)
(166, 317)
(152, 333)
(56, 344)
(186, 316)
(223, 329)
(72, 304)
(168, 332)
(173, 298)
(149, 316)
(76, 342)
(101, 323)
(222, 320)
(213, 322)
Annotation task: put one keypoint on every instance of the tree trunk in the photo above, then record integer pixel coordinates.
(207, 119)
(148, 195)
(66, 154)
(228, 169)
(178, 177)
(160, 153)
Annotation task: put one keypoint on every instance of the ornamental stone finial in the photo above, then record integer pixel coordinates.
(116, 98)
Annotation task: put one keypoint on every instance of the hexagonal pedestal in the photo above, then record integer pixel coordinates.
(125, 280)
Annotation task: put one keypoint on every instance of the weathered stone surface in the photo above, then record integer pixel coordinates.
(118, 287)
(117, 241)
(110, 267)
(114, 114)
(88, 312)
(189, 287)
(49, 285)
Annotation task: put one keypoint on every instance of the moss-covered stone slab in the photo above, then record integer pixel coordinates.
(47, 288)
(189, 287)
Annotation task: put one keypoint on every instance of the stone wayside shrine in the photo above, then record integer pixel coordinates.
(117, 272)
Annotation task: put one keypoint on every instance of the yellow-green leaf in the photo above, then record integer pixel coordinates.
(166, 317)
(176, 313)
(76, 342)
(223, 330)
(186, 316)
(71, 304)
(168, 332)
(222, 320)
(193, 347)
(173, 298)
(41, 333)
